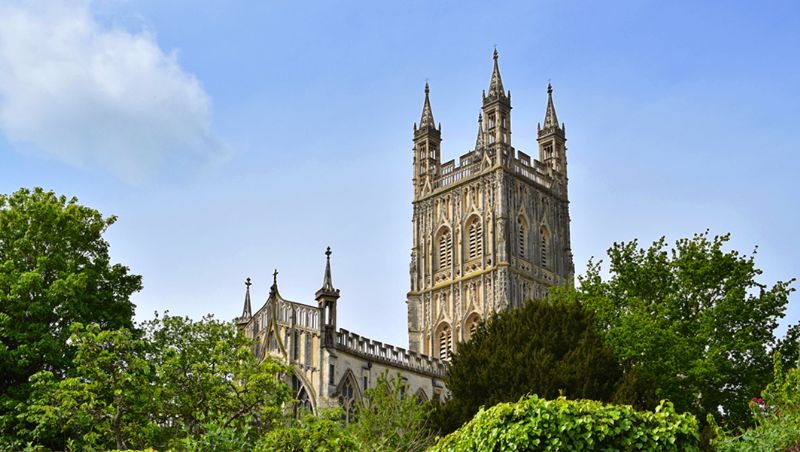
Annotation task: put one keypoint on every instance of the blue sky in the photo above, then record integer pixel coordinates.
(233, 138)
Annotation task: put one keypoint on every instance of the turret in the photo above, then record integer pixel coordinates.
(552, 139)
(427, 149)
(326, 298)
(497, 109)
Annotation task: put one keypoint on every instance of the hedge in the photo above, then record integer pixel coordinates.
(533, 423)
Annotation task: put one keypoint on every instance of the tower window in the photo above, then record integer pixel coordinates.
(475, 238)
(545, 246)
(445, 249)
(522, 238)
(471, 325)
(445, 339)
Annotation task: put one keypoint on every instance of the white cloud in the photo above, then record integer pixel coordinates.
(97, 96)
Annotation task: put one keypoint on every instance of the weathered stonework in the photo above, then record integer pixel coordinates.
(488, 233)
(494, 226)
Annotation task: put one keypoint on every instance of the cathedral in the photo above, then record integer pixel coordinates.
(489, 232)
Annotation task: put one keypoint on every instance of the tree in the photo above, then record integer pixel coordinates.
(392, 419)
(55, 270)
(693, 323)
(548, 348)
(183, 384)
(323, 433)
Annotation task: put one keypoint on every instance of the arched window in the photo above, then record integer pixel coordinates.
(475, 241)
(445, 249)
(471, 325)
(522, 238)
(545, 246)
(302, 400)
(445, 341)
(347, 397)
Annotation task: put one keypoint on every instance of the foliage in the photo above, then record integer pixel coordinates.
(691, 325)
(55, 270)
(324, 433)
(392, 419)
(534, 423)
(548, 348)
(183, 384)
(776, 415)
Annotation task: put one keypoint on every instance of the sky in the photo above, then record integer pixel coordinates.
(234, 138)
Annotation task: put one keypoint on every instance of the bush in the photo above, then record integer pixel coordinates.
(776, 415)
(533, 423)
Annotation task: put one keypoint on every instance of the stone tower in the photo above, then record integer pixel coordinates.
(490, 231)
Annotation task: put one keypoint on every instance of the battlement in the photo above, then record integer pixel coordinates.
(520, 164)
(389, 354)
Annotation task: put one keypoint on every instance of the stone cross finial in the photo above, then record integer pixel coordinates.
(275, 277)
(248, 283)
(328, 252)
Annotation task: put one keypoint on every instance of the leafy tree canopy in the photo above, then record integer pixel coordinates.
(183, 384)
(548, 348)
(55, 270)
(691, 323)
(392, 419)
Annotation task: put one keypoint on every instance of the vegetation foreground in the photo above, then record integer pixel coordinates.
(674, 350)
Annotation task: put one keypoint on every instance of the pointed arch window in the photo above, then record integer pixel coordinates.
(475, 242)
(444, 341)
(545, 246)
(302, 403)
(347, 398)
(471, 325)
(445, 249)
(522, 238)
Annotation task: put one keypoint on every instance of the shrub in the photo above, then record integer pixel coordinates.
(533, 423)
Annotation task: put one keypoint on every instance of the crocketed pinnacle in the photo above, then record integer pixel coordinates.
(247, 311)
(496, 83)
(479, 139)
(550, 118)
(327, 283)
(427, 114)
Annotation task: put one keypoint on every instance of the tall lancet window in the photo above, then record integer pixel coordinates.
(475, 238)
(445, 341)
(522, 237)
(545, 246)
(445, 249)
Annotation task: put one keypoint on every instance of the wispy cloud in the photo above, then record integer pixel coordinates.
(97, 96)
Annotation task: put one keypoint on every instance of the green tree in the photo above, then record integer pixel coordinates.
(55, 270)
(183, 384)
(692, 324)
(105, 404)
(548, 348)
(392, 419)
(323, 433)
(206, 372)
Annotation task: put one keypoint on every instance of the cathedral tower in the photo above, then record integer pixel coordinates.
(490, 231)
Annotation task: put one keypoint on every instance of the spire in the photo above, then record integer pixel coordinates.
(247, 311)
(427, 114)
(479, 140)
(274, 289)
(327, 289)
(496, 84)
(550, 118)
(327, 284)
